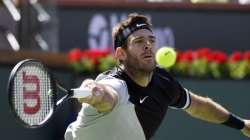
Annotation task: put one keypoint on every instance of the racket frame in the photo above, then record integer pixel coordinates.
(10, 93)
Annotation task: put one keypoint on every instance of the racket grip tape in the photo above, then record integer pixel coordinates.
(81, 92)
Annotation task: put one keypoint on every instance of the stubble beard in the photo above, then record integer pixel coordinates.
(137, 67)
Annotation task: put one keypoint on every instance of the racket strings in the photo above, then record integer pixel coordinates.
(31, 100)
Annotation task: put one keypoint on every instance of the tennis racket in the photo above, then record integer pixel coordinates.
(33, 93)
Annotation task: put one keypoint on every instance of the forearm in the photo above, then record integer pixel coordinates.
(206, 109)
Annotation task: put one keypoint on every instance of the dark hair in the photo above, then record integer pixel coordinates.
(123, 29)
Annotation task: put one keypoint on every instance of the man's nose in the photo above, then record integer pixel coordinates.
(148, 45)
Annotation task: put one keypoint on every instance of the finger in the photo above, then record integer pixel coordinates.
(87, 82)
(88, 100)
(97, 93)
(103, 106)
(96, 97)
(82, 100)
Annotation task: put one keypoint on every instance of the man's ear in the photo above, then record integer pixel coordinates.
(120, 54)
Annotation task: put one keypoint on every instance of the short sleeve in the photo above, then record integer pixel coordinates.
(179, 97)
(117, 84)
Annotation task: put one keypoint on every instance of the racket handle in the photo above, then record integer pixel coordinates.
(81, 92)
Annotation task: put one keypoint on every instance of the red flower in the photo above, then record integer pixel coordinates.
(218, 57)
(236, 56)
(91, 59)
(95, 54)
(246, 55)
(203, 52)
(178, 57)
(75, 54)
(187, 56)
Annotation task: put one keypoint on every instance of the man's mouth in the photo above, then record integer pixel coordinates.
(148, 57)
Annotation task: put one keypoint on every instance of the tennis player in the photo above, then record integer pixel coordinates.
(130, 101)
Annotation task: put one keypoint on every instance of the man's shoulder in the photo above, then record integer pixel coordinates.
(161, 71)
(163, 74)
(110, 74)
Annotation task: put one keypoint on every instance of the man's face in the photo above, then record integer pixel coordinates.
(141, 51)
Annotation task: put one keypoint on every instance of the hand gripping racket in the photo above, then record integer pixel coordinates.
(33, 93)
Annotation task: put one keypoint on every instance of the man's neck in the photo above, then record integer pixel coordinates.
(139, 77)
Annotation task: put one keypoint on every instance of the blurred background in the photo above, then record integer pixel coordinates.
(73, 38)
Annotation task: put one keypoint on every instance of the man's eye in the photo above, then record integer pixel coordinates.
(139, 41)
(152, 41)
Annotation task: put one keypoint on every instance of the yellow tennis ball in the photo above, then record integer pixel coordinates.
(165, 57)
